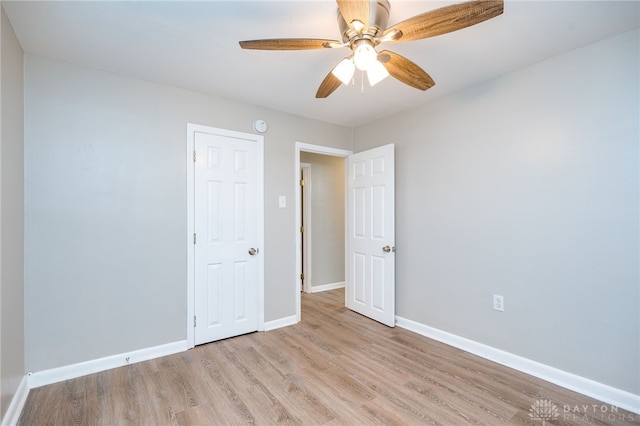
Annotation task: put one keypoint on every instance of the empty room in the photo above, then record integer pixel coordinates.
(320, 212)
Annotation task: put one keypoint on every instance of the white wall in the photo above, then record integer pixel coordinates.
(327, 186)
(527, 186)
(12, 348)
(105, 196)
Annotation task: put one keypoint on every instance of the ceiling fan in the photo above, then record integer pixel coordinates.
(363, 26)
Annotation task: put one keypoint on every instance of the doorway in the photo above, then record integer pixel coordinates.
(321, 277)
(323, 225)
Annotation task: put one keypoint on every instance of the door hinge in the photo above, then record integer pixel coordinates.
(302, 276)
(194, 156)
(301, 182)
(194, 238)
(302, 229)
(194, 321)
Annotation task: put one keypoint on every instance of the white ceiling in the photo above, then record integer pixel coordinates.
(194, 45)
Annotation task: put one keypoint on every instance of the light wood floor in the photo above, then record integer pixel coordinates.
(334, 367)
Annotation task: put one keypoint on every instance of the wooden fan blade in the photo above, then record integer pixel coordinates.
(447, 19)
(289, 44)
(328, 85)
(355, 10)
(405, 70)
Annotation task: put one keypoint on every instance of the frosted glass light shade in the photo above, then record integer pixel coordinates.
(364, 56)
(376, 73)
(344, 70)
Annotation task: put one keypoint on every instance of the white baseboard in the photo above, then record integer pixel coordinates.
(279, 323)
(605, 393)
(325, 287)
(54, 375)
(17, 403)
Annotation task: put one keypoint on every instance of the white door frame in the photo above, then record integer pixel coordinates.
(315, 149)
(192, 129)
(307, 236)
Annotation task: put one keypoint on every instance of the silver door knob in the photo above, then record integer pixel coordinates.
(388, 249)
(253, 251)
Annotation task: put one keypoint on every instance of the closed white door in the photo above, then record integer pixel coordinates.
(371, 234)
(227, 235)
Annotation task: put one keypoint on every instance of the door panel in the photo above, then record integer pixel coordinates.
(214, 293)
(226, 225)
(371, 234)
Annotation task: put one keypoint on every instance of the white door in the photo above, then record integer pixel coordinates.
(227, 194)
(371, 234)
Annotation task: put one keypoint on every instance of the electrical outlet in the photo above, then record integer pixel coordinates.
(498, 303)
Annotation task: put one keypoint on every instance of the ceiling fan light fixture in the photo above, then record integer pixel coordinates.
(344, 70)
(363, 27)
(364, 55)
(376, 73)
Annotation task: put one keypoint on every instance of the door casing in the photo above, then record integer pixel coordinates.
(307, 236)
(192, 129)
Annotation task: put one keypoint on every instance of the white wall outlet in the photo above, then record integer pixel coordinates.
(282, 201)
(498, 303)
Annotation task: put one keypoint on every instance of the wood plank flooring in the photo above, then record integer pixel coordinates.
(335, 367)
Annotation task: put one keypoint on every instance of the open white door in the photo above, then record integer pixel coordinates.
(370, 275)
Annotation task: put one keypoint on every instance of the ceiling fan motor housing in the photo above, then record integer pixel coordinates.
(378, 19)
